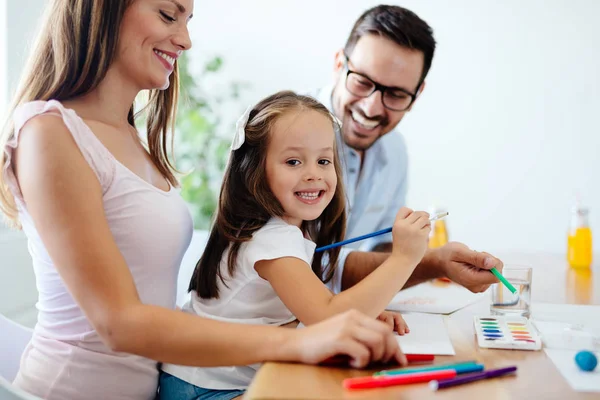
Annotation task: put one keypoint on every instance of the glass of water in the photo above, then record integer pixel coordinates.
(506, 303)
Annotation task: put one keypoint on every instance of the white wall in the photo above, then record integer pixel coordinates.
(3, 60)
(23, 20)
(506, 130)
(18, 22)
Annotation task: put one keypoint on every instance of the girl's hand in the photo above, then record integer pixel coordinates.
(351, 333)
(395, 321)
(410, 235)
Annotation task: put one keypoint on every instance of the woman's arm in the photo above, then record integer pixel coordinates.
(64, 198)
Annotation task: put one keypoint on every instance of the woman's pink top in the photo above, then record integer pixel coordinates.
(66, 360)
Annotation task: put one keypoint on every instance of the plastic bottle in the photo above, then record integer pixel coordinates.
(439, 231)
(579, 241)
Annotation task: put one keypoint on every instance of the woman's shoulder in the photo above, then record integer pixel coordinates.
(30, 109)
(36, 123)
(41, 117)
(48, 130)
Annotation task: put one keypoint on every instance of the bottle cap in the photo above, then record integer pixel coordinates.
(436, 209)
(578, 207)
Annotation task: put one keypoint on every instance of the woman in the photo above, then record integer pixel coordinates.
(107, 229)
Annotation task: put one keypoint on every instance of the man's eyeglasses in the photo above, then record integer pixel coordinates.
(394, 99)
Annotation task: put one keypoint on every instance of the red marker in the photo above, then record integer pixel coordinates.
(343, 360)
(419, 357)
(370, 382)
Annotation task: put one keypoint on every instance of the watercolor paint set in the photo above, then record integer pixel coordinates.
(507, 332)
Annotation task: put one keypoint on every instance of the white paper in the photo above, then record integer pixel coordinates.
(428, 335)
(435, 297)
(565, 336)
(582, 316)
(568, 326)
(579, 380)
(567, 329)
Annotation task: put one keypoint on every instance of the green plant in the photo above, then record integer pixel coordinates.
(203, 137)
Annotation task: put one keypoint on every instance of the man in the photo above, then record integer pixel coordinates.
(379, 75)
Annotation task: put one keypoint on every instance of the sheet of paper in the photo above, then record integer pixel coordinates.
(567, 326)
(566, 336)
(579, 380)
(435, 297)
(565, 330)
(428, 335)
(582, 316)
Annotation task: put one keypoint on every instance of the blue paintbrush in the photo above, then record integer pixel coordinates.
(370, 235)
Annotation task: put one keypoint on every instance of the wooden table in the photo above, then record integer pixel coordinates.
(537, 377)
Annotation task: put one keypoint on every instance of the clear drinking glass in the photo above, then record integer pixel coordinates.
(506, 303)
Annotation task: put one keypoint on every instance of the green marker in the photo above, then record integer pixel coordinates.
(460, 368)
(504, 281)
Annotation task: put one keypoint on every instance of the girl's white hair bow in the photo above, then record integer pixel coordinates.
(240, 129)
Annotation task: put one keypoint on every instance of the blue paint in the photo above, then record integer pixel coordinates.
(492, 335)
(491, 330)
(586, 360)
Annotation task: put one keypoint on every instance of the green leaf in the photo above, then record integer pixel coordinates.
(198, 150)
(214, 65)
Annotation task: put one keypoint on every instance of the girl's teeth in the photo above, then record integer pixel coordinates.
(308, 196)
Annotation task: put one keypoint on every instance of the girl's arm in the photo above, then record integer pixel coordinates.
(64, 199)
(310, 300)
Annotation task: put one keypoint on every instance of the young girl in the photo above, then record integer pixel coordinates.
(281, 197)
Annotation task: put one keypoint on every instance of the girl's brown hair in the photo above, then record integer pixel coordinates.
(74, 50)
(247, 203)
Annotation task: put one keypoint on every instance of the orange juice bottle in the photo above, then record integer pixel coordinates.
(579, 241)
(439, 232)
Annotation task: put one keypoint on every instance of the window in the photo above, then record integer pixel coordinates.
(3, 76)
(3, 60)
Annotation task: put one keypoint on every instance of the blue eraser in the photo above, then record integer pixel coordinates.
(586, 360)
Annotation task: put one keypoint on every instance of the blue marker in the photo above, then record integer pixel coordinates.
(460, 368)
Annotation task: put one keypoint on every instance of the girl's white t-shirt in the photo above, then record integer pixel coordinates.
(247, 299)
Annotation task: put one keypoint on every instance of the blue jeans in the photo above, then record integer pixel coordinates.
(173, 388)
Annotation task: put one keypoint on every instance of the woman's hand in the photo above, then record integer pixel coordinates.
(351, 333)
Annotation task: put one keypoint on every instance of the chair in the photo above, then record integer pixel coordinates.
(188, 264)
(13, 340)
(9, 392)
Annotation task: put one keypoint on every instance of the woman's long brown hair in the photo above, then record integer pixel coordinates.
(74, 50)
(246, 202)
